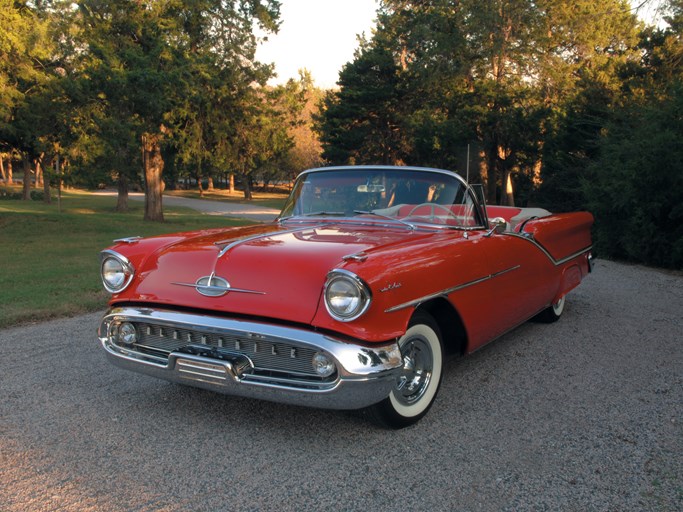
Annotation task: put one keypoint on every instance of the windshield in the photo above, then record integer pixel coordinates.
(407, 196)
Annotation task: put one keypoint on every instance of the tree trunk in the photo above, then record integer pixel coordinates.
(247, 187)
(508, 196)
(39, 172)
(199, 179)
(10, 179)
(492, 181)
(231, 187)
(2, 168)
(47, 198)
(27, 177)
(153, 166)
(210, 184)
(536, 175)
(58, 172)
(483, 169)
(506, 193)
(122, 198)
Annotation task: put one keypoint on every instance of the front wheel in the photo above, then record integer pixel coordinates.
(418, 383)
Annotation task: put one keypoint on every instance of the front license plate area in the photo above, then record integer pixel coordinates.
(200, 370)
(211, 364)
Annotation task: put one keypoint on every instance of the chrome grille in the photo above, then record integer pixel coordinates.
(267, 355)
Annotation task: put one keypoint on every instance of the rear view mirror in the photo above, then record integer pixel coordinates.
(369, 188)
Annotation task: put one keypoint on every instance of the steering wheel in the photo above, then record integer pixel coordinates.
(432, 210)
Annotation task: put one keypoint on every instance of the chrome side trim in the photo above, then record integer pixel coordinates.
(571, 257)
(232, 244)
(448, 291)
(544, 251)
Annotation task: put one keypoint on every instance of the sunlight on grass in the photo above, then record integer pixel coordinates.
(272, 199)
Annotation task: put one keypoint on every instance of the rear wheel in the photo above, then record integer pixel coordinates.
(417, 385)
(552, 313)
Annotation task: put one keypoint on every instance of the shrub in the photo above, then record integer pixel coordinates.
(636, 186)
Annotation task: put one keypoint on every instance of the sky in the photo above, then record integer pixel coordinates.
(318, 35)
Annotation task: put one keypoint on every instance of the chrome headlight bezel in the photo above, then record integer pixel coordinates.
(126, 271)
(357, 292)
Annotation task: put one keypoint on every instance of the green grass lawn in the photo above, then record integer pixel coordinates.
(49, 261)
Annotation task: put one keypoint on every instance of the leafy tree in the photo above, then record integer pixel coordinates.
(219, 73)
(154, 68)
(25, 78)
(129, 72)
(303, 99)
(362, 120)
(635, 183)
(496, 74)
(582, 86)
(572, 145)
(257, 136)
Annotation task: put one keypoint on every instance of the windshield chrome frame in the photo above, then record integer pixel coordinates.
(480, 209)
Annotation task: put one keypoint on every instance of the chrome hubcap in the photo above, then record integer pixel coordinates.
(417, 371)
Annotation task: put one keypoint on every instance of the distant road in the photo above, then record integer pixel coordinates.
(210, 207)
(582, 415)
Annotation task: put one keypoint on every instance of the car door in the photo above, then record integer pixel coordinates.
(513, 281)
(523, 279)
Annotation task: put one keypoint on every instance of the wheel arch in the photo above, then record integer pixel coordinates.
(453, 333)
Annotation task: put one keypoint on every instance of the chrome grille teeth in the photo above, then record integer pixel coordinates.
(268, 356)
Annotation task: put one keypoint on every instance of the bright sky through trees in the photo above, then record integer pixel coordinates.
(318, 35)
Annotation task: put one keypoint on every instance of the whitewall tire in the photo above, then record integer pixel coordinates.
(552, 313)
(418, 384)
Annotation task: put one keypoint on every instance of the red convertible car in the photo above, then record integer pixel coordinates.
(350, 299)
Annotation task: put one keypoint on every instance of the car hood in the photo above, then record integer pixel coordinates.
(273, 271)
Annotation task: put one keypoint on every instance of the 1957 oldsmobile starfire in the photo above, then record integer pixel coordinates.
(350, 299)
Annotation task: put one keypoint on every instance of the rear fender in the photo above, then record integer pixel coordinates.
(571, 277)
(562, 235)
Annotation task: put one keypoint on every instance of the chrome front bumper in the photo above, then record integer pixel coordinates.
(365, 373)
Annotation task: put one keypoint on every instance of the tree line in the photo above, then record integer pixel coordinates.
(566, 104)
(145, 93)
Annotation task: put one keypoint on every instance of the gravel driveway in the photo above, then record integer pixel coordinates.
(585, 414)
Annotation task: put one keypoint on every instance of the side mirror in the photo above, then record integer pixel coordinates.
(498, 226)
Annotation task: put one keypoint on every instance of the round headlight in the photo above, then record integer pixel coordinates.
(117, 272)
(346, 296)
(323, 365)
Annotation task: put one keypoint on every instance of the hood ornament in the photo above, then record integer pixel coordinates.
(214, 286)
